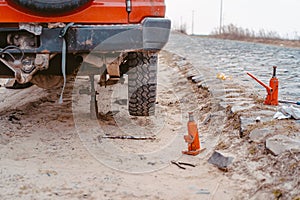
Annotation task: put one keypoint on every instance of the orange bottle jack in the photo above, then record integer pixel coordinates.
(272, 88)
(272, 99)
(192, 138)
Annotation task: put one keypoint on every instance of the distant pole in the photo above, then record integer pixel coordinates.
(221, 17)
(181, 26)
(193, 22)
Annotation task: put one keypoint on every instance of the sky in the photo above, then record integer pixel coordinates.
(281, 16)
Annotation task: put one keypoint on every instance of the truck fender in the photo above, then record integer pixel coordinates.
(50, 7)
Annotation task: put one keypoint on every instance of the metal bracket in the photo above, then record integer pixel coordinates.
(93, 102)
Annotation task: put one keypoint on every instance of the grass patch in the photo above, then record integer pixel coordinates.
(232, 32)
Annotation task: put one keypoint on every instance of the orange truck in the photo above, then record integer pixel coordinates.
(42, 42)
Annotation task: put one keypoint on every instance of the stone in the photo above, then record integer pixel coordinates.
(232, 95)
(279, 144)
(202, 85)
(250, 119)
(245, 122)
(190, 75)
(241, 106)
(258, 134)
(197, 79)
(220, 160)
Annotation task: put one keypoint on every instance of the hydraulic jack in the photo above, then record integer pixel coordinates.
(192, 138)
(93, 102)
(272, 88)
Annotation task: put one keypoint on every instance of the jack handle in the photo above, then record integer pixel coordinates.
(268, 88)
(274, 71)
(292, 102)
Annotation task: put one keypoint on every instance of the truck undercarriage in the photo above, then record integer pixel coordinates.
(44, 53)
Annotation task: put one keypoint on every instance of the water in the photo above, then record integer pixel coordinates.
(234, 58)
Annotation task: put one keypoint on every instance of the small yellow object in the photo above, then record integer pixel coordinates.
(221, 76)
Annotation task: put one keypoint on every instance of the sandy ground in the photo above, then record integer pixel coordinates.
(46, 152)
(55, 151)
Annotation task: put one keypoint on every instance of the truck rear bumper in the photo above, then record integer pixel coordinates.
(151, 34)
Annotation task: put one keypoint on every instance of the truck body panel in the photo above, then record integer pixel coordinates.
(100, 11)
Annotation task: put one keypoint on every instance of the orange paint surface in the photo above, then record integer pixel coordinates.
(99, 12)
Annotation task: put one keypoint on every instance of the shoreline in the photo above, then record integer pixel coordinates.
(268, 41)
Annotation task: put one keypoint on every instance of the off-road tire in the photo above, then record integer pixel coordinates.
(50, 7)
(142, 83)
(17, 85)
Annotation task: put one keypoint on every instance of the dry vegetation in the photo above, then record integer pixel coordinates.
(182, 28)
(233, 32)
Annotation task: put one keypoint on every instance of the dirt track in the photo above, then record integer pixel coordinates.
(46, 155)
